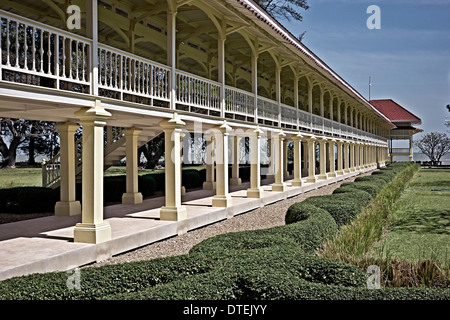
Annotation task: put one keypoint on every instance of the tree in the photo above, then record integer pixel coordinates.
(284, 9)
(152, 151)
(18, 131)
(434, 145)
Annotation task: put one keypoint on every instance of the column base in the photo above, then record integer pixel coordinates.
(183, 190)
(172, 213)
(340, 172)
(92, 232)
(311, 179)
(278, 187)
(222, 201)
(67, 208)
(132, 198)
(323, 176)
(255, 193)
(352, 169)
(209, 185)
(297, 183)
(235, 181)
(346, 170)
(332, 174)
(270, 176)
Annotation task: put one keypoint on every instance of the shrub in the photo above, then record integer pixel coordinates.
(343, 207)
(147, 185)
(191, 179)
(113, 188)
(369, 187)
(28, 200)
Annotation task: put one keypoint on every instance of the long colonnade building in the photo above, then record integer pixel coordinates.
(136, 68)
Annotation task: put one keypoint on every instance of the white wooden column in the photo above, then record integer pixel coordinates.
(132, 195)
(67, 206)
(92, 33)
(173, 210)
(255, 190)
(92, 229)
(172, 49)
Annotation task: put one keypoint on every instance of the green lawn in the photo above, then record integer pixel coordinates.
(20, 177)
(420, 225)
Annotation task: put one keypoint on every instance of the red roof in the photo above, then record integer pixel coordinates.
(394, 111)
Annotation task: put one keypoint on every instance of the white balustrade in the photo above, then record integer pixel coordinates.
(197, 91)
(125, 73)
(239, 101)
(37, 54)
(288, 115)
(267, 109)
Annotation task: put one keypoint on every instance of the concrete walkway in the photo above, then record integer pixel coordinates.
(46, 244)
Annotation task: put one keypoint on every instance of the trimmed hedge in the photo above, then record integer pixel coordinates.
(28, 200)
(343, 207)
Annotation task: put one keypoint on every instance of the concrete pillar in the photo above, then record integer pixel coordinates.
(255, 190)
(352, 167)
(67, 206)
(332, 172)
(235, 180)
(285, 158)
(357, 157)
(132, 195)
(311, 143)
(297, 140)
(340, 167)
(305, 158)
(271, 169)
(279, 185)
(182, 136)
(173, 210)
(346, 158)
(92, 229)
(222, 197)
(322, 159)
(210, 183)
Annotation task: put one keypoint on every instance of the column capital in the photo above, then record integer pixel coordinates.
(173, 123)
(297, 137)
(95, 113)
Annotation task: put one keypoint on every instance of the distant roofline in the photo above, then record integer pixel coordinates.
(415, 119)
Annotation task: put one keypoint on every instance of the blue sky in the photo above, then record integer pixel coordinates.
(408, 59)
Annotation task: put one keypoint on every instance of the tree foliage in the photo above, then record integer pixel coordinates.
(284, 9)
(434, 145)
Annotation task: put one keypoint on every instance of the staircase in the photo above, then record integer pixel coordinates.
(115, 150)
